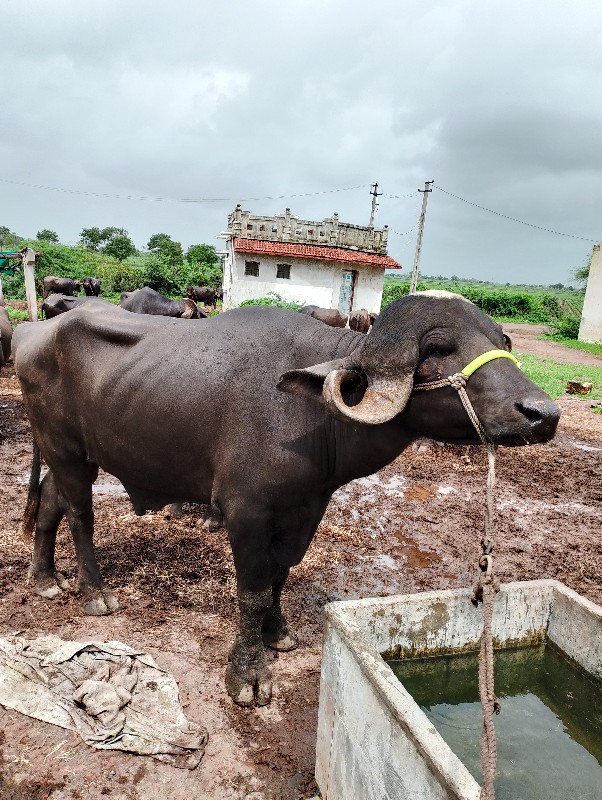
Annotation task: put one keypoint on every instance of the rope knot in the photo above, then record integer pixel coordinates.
(458, 381)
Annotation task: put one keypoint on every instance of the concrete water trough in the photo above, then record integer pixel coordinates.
(374, 742)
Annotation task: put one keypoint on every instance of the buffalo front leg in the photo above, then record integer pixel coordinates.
(47, 581)
(274, 629)
(248, 679)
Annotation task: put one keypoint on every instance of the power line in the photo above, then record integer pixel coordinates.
(401, 196)
(405, 233)
(514, 219)
(181, 199)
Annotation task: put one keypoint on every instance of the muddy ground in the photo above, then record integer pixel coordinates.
(414, 526)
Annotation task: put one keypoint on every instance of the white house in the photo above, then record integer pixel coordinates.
(329, 264)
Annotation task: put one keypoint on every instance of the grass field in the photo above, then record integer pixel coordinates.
(595, 349)
(552, 376)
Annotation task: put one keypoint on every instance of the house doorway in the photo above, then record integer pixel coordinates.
(349, 279)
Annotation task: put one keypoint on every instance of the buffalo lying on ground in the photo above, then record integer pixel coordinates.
(361, 320)
(6, 335)
(286, 412)
(204, 294)
(148, 301)
(329, 316)
(91, 286)
(53, 285)
(59, 303)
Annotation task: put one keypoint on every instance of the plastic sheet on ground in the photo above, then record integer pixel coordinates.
(116, 698)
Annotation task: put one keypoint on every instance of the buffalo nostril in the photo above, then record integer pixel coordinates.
(539, 411)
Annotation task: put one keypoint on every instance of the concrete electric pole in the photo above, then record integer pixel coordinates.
(425, 194)
(375, 193)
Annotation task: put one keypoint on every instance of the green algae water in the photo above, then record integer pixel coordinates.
(549, 734)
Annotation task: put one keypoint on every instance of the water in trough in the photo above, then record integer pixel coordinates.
(549, 733)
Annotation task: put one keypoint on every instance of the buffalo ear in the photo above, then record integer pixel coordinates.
(309, 382)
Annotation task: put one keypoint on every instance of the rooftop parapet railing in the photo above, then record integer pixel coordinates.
(288, 228)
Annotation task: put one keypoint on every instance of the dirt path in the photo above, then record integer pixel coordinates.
(524, 338)
(412, 527)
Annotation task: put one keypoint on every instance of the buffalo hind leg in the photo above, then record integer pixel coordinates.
(248, 679)
(47, 581)
(75, 487)
(97, 600)
(274, 629)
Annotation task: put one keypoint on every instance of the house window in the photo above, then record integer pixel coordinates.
(283, 270)
(252, 268)
(262, 228)
(250, 226)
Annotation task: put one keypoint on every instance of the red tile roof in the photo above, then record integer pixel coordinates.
(315, 251)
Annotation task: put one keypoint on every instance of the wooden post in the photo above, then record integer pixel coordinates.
(29, 260)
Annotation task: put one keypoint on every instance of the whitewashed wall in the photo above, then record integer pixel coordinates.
(311, 282)
(590, 329)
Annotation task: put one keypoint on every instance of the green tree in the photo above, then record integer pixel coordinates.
(91, 238)
(202, 254)
(8, 240)
(46, 235)
(119, 245)
(169, 251)
(204, 266)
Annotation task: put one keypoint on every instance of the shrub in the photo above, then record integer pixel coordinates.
(520, 305)
(565, 327)
(77, 263)
(272, 299)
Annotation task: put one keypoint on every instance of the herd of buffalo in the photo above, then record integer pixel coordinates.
(258, 413)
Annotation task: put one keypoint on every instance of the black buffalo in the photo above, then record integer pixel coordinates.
(361, 320)
(329, 316)
(91, 286)
(148, 301)
(204, 294)
(59, 303)
(286, 412)
(53, 285)
(6, 335)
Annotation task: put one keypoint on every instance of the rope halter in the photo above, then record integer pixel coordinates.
(485, 589)
(458, 382)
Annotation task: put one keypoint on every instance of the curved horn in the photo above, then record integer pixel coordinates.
(190, 309)
(383, 399)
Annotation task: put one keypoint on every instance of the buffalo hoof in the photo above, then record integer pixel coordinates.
(211, 524)
(174, 510)
(284, 644)
(50, 586)
(253, 688)
(99, 603)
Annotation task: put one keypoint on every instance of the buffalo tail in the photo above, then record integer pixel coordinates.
(33, 494)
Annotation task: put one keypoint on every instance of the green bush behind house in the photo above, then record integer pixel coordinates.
(274, 300)
(525, 306)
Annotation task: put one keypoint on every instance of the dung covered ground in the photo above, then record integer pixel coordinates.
(414, 526)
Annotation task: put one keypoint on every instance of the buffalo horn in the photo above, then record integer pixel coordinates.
(382, 400)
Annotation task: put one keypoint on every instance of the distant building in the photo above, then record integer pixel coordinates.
(329, 263)
(590, 329)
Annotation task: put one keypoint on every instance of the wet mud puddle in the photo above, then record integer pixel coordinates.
(549, 734)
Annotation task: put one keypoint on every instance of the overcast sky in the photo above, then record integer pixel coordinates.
(498, 102)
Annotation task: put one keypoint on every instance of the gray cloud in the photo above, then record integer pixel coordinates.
(495, 101)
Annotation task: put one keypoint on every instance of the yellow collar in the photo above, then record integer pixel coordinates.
(484, 358)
